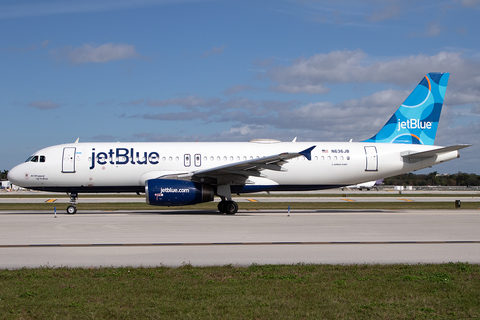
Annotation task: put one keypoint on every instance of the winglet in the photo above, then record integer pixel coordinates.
(307, 153)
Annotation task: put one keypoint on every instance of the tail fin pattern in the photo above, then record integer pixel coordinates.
(416, 121)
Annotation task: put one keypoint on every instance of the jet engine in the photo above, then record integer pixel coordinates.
(170, 192)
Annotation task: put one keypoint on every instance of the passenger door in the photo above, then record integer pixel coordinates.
(68, 161)
(371, 159)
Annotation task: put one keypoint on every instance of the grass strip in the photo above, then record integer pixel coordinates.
(304, 291)
(247, 206)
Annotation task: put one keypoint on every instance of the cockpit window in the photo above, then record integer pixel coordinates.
(36, 159)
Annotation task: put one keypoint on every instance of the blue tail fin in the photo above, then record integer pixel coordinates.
(416, 121)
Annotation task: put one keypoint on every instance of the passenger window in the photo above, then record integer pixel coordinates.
(42, 158)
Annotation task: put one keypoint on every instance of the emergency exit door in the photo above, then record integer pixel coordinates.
(68, 163)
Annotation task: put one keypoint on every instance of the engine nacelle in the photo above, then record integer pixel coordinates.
(170, 192)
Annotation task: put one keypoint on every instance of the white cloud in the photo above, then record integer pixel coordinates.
(187, 102)
(44, 105)
(385, 13)
(44, 8)
(433, 29)
(470, 3)
(313, 74)
(213, 52)
(307, 88)
(358, 118)
(246, 131)
(33, 47)
(179, 116)
(96, 54)
(237, 88)
(335, 120)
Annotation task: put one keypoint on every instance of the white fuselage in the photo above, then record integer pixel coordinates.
(118, 167)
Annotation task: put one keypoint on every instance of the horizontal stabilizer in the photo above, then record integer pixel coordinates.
(434, 152)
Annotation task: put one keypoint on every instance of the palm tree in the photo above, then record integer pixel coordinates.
(3, 175)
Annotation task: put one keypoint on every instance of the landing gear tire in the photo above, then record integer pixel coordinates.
(71, 210)
(221, 206)
(228, 207)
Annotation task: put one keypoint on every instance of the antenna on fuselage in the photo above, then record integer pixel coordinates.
(76, 141)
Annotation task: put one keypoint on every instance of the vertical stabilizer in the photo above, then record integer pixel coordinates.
(416, 120)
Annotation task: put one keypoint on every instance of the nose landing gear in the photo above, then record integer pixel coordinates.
(72, 208)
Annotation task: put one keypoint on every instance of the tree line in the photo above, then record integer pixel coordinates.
(3, 175)
(434, 179)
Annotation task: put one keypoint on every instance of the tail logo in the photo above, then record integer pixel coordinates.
(416, 120)
(414, 124)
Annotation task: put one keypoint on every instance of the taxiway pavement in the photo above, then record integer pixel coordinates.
(262, 198)
(173, 238)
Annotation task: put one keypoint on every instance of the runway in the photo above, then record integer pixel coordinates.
(351, 197)
(173, 238)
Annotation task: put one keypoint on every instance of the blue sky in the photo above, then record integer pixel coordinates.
(227, 70)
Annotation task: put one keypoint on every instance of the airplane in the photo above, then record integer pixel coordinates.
(187, 173)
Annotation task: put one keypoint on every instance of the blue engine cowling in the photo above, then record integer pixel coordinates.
(169, 192)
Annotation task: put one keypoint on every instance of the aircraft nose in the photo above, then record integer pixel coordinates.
(15, 175)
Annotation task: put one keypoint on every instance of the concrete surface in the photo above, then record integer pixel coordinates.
(152, 238)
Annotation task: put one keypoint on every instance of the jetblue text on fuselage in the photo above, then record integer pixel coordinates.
(414, 124)
(121, 156)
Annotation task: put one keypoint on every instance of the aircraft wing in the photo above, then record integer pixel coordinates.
(431, 153)
(238, 172)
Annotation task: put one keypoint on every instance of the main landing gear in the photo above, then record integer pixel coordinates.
(228, 207)
(72, 208)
